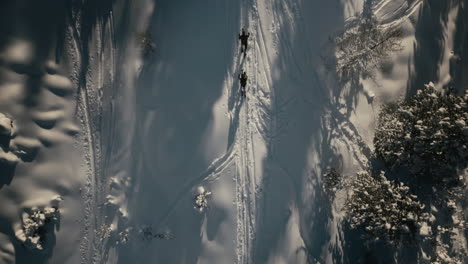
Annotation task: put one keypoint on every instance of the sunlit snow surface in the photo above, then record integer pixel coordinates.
(157, 157)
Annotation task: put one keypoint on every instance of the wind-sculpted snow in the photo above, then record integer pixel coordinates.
(37, 135)
(49, 126)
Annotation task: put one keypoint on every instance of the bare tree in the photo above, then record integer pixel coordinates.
(364, 45)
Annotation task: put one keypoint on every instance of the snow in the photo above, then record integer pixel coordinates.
(126, 136)
(6, 125)
(450, 27)
(424, 229)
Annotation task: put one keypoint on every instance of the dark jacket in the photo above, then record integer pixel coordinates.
(244, 37)
(243, 79)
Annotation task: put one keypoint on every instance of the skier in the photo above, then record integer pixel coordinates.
(243, 38)
(243, 82)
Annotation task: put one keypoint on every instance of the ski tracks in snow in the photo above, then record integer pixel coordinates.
(255, 118)
(249, 116)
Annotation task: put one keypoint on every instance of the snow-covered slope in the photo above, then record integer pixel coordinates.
(59, 75)
(262, 157)
(114, 113)
(259, 165)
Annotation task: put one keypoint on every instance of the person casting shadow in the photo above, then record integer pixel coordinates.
(244, 37)
(243, 82)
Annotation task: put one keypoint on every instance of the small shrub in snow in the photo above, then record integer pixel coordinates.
(427, 133)
(148, 234)
(201, 199)
(38, 223)
(386, 210)
(35, 226)
(123, 237)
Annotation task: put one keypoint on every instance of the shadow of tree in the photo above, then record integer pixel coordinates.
(175, 96)
(7, 171)
(356, 52)
(289, 178)
(429, 45)
(459, 62)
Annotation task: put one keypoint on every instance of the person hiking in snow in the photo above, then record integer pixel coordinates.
(243, 82)
(243, 38)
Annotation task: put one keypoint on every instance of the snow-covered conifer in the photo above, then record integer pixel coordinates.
(384, 209)
(427, 133)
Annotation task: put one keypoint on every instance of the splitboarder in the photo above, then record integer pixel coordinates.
(243, 82)
(243, 38)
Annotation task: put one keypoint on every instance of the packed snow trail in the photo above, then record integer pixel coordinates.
(240, 149)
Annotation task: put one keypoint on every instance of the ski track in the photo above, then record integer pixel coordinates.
(255, 115)
(243, 196)
(89, 99)
(90, 193)
(87, 194)
(248, 115)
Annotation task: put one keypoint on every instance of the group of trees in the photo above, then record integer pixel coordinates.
(421, 144)
(385, 209)
(427, 134)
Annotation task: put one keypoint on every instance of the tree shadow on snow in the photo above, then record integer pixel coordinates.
(195, 45)
(429, 45)
(459, 63)
(289, 180)
(7, 171)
